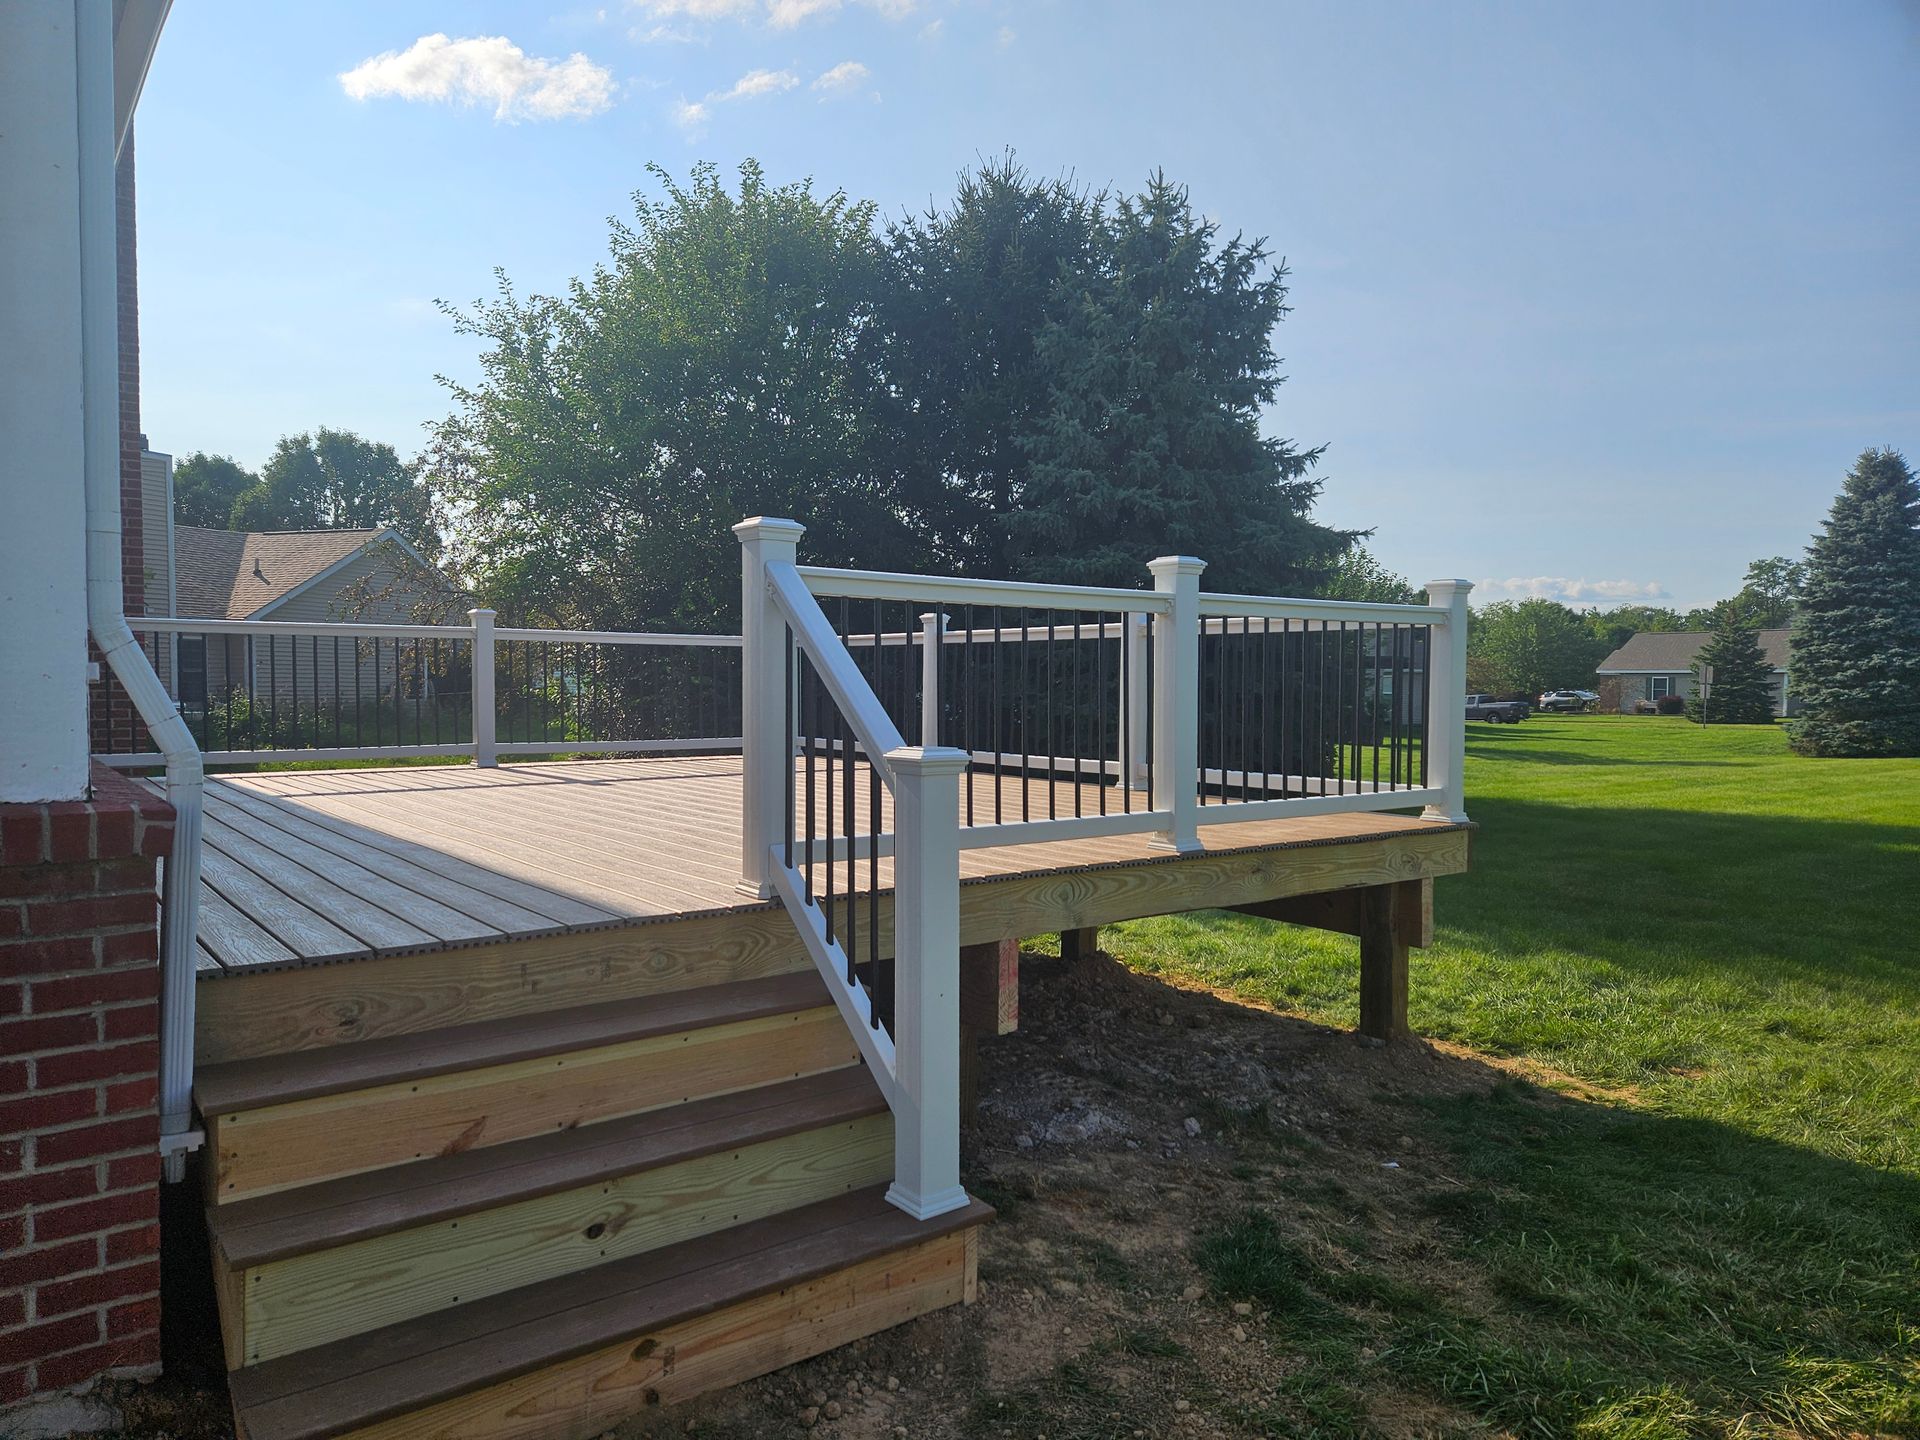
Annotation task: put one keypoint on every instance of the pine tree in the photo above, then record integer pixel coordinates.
(1150, 441)
(1732, 682)
(1855, 667)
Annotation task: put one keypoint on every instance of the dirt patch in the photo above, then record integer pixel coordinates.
(1127, 1122)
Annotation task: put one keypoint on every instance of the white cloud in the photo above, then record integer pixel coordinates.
(933, 29)
(756, 83)
(484, 69)
(1569, 592)
(692, 115)
(700, 9)
(785, 14)
(843, 77)
(1006, 37)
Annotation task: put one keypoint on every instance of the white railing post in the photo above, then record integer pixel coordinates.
(1447, 700)
(932, 627)
(1133, 714)
(484, 741)
(1176, 702)
(766, 750)
(926, 947)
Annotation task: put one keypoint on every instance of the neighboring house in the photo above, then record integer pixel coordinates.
(372, 576)
(1653, 665)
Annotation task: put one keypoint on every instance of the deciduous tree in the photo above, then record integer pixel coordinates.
(1855, 662)
(1530, 646)
(337, 480)
(205, 488)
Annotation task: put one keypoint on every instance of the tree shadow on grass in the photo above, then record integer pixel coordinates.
(1574, 757)
(1754, 896)
(1549, 1264)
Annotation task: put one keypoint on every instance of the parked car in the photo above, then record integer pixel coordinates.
(1500, 712)
(1565, 700)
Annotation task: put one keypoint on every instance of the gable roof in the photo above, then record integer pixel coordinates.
(1655, 653)
(235, 574)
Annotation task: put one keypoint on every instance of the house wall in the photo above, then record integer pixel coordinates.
(43, 700)
(79, 1128)
(1629, 690)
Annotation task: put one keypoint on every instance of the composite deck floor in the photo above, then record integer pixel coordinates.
(304, 867)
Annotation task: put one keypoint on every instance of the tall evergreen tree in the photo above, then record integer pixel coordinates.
(1855, 666)
(1732, 682)
(1150, 442)
(970, 287)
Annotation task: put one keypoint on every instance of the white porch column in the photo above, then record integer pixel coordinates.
(926, 946)
(766, 747)
(933, 626)
(1176, 701)
(43, 567)
(1447, 701)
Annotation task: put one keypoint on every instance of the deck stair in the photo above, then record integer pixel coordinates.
(534, 1226)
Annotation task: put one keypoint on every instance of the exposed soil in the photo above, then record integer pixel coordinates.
(1126, 1118)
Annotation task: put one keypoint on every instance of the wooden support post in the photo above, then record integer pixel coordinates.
(969, 1076)
(990, 987)
(1383, 965)
(1080, 944)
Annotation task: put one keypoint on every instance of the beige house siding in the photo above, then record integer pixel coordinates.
(156, 531)
(1634, 689)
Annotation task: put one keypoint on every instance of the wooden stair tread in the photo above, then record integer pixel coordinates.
(271, 1227)
(367, 1378)
(239, 1085)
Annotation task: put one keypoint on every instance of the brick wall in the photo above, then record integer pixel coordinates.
(114, 726)
(79, 1127)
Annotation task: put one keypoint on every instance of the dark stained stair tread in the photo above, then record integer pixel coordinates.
(366, 1378)
(239, 1085)
(357, 1207)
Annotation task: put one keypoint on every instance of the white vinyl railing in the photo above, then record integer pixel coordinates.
(1165, 710)
(263, 690)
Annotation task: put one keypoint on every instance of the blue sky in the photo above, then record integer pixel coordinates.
(1591, 300)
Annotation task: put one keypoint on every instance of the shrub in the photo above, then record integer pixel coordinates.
(1670, 705)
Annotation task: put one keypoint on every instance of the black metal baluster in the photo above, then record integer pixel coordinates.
(1053, 739)
(809, 707)
(874, 972)
(997, 719)
(833, 741)
(967, 705)
(1100, 702)
(786, 710)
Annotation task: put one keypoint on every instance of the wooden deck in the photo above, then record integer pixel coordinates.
(314, 867)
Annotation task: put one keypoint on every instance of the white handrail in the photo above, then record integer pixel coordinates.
(862, 709)
(959, 590)
(1280, 607)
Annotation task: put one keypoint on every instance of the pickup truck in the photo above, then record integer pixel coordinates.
(1500, 712)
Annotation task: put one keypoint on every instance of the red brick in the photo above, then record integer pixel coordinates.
(39, 956)
(95, 912)
(69, 832)
(128, 1097)
(48, 1187)
(13, 1233)
(130, 1170)
(53, 1337)
(89, 1216)
(101, 987)
(133, 1318)
(43, 1110)
(22, 835)
(26, 881)
(83, 1365)
(97, 1141)
(13, 921)
(13, 1385)
(12, 1153)
(13, 1077)
(130, 1022)
(13, 1309)
(52, 1032)
(77, 1067)
(102, 1287)
(130, 947)
(13, 999)
(125, 1245)
(122, 877)
(113, 831)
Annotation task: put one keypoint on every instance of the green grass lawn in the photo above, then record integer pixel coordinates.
(1725, 938)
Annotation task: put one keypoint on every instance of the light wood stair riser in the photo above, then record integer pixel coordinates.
(282, 1306)
(272, 1148)
(583, 1397)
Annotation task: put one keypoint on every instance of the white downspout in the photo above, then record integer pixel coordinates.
(106, 617)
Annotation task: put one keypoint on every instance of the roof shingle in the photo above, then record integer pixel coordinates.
(1673, 651)
(234, 574)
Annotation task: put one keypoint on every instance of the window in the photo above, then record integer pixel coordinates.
(1660, 686)
(191, 658)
